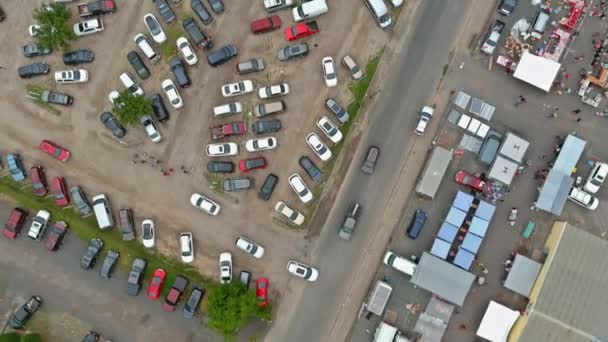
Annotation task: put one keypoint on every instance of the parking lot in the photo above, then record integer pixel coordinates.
(100, 163)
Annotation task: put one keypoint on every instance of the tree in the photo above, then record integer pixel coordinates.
(54, 31)
(231, 306)
(10, 337)
(130, 107)
(30, 337)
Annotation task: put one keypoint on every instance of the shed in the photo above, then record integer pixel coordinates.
(464, 259)
(537, 71)
(514, 148)
(471, 243)
(503, 170)
(440, 248)
(485, 210)
(522, 276)
(479, 226)
(497, 322)
(455, 217)
(434, 172)
(379, 297)
(463, 201)
(447, 232)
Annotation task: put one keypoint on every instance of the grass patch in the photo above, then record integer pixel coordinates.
(34, 92)
(173, 31)
(215, 182)
(86, 228)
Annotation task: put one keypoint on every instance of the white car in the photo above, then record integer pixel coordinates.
(225, 268)
(130, 83)
(33, 30)
(583, 199)
(273, 91)
(250, 247)
(151, 129)
(261, 144)
(156, 31)
(318, 146)
(329, 129)
(113, 95)
(148, 234)
(397, 3)
(87, 27)
(39, 224)
(172, 94)
(186, 50)
(237, 88)
(329, 72)
(299, 187)
(205, 204)
(289, 213)
(222, 149)
(425, 119)
(186, 248)
(596, 178)
(72, 76)
(302, 271)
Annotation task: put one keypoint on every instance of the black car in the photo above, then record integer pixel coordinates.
(417, 224)
(193, 302)
(80, 201)
(138, 268)
(311, 169)
(292, 51)
(338, 111)
(201, 11)
(158, 106)
(24, 312)
(179, 71)
(109, 264)
(266, 126)
(110, 121)
(34, 50)
(138, 65)
(165, 11)
(222, 55)
(198, 37)
(51, 96)
(34, 69)
(2, 14)
(506, 7)
(220, 166)
(268, 187)
(217, 6)
(245, 278)
(91, 253)
(78, 57)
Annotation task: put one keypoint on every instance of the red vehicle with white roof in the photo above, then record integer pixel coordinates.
(54, 150)
(266, 24)
(301, 30)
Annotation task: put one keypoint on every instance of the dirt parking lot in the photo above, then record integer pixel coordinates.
(101, 164)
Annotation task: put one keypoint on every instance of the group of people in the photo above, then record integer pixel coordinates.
(145, 158)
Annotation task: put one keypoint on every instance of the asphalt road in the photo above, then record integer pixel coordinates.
(417, 68)
(91, 302)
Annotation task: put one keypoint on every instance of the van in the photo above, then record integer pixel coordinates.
(310, 9)
(399, 263)
(245, 277)
(227, 109)
(417, 224)
(380, 12)
(268, 108)
(146, 48)
(541, 20)
(101, 207)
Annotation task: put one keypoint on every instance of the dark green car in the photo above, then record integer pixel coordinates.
(138, 65)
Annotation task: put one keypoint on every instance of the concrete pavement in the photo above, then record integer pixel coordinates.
(324, 310)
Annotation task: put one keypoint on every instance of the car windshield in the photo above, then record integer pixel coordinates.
(355, 69)
(328, 127)
(147, 231)
(152, 25)
(59, 195)
(76, 74)
(38, 185)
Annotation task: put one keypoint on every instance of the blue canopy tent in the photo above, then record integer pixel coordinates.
(464, 259)
(485, 211)
(440, 248)
(447, 232)
(455, 217)
(479, 226)
(471, 243)
(463, 201)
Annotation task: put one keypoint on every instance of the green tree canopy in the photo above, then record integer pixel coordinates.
(231, 306)
(54, 31)
(10, 337)
(130, 107)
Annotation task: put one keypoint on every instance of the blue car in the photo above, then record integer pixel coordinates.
(15, 166)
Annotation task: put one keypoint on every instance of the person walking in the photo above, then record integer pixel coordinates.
(579, 119)
(576, 111)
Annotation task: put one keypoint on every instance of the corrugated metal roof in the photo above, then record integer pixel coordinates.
(379, 298)
(514, 147)
(434, 172)
(522, 276)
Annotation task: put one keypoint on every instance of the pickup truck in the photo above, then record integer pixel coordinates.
(301, 30)
(228, 129)
(489, 45)
(177, 289)
(96, 7)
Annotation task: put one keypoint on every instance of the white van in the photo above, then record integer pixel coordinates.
(399, 263)
(101, 207)
(146, 48)
(541, 20)
(380, 12)
(310, 9)
(385, 333)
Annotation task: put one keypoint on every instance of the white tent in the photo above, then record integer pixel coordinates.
(497, 322)
(537, 71)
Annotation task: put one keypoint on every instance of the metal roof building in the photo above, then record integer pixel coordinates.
(568, 301)
(434, 172)
(522, 276)
(514, 147)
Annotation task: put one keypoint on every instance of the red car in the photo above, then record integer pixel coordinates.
(55, 234)
(54, 150)
(261, 291)
(475, 183)
(60, 191)
(15, 221)
(301, 30)
(156, 285)
(38, 178)
(266, 24)
(246, 165)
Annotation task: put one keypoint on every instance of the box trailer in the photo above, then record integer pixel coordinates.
(379, 298)
(434, 172)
